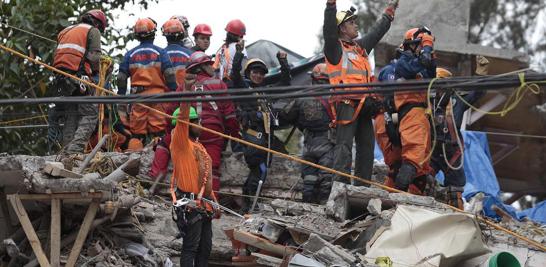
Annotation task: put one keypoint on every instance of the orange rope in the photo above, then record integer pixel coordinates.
(492, 224)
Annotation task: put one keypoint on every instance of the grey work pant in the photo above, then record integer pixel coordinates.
(362, 132)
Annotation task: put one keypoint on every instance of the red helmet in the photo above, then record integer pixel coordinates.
(99, 16)
(172, 27)
(145, 27)
(236, 27)
(319, 72)
(203, 29)
(198, 58)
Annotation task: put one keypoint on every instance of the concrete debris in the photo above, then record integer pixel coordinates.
(374, 206)
(134, 227)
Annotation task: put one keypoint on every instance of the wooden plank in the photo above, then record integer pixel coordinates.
(82, 234)
(262, 243)
(55, 255)
(29, 230)
(78, 195)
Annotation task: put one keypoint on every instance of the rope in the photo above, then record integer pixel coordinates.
(513, 100)
(492, 224)
(22, 119)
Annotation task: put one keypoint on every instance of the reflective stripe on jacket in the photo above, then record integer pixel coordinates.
(71, 49)
(352, 68)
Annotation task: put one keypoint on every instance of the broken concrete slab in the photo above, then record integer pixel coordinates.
(56, 169)
(291, 208)
(374, 206)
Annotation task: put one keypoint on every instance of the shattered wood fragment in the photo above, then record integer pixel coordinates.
(262, 243)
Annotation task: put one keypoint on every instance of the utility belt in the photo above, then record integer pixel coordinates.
(393, 119)
(67, 86)
(320, 133)
(137, 89)
(257, 134)
(181, 214)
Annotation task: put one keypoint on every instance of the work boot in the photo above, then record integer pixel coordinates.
(389, 182)
(455, 197)
(414, 189)
(405, 176)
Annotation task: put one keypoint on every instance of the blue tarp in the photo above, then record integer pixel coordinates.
(480, 177)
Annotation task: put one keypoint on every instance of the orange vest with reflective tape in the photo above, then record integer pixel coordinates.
(222, 62)
(72, 48)
(352, 68)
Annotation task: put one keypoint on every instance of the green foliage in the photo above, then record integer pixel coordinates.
(46, 18)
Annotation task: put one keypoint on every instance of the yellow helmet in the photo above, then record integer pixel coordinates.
(342, 16)
(443, 73)
(255, 63)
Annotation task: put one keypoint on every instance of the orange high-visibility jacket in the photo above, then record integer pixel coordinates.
(71, 48)
(192, 164)
(352, 68)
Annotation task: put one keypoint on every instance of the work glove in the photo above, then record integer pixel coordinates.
(425, 57)
(240, 46)
(282, 55)
(405, 176)
(482, 65)
(331, 2)
(391, 9)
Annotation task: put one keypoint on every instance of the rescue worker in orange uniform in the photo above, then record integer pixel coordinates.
(215, 115)
(192, 179)
(347, 63)
(78, 52)
(151, 72)
(179, 55)
(223, 62)
(201, 35)
(403, 131)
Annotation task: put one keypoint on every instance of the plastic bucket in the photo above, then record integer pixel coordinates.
(503, 259)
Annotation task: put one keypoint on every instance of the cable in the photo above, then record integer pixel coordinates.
(27, 32)
(22, 119)
(500, 228)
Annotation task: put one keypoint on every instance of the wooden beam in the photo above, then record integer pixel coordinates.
(63, 196)
(55, 233)
(262, 243)
(82, 234)
(29, 230)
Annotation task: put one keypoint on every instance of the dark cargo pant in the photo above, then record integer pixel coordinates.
(362, 131)
(197, 242)
(318, 148)
(80, 120)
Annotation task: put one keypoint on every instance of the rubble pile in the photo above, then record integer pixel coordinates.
(135, 228)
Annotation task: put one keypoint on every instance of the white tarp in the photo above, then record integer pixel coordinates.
(421, 237)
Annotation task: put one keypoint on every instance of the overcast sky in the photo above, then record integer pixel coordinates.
(290, 23)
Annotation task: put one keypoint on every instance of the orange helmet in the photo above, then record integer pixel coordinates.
(203, 29)
(134, 145)
(414, 35)
(319, 72)
(236, 27)
(172, 27)
(145, 27)
(443, 73)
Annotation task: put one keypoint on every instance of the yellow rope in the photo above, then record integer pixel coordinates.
(22, 119)
(492, 224)
(513, 100)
